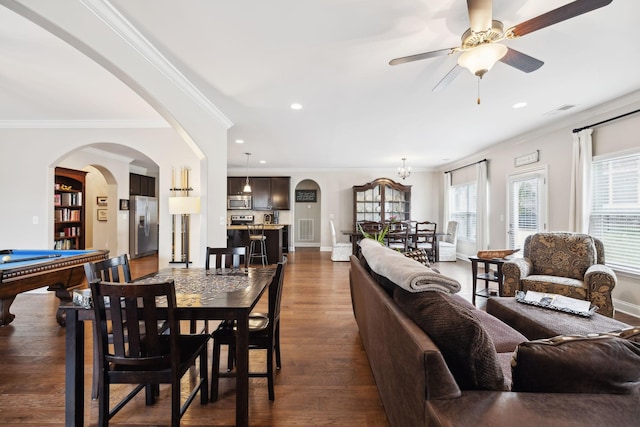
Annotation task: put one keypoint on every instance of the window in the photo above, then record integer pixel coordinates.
(462, 207)
(615, 209)
(527, 212)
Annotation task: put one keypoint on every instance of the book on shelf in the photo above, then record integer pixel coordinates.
(56, 200)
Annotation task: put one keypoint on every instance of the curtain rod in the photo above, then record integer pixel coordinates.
(466, 166)
(605, 121)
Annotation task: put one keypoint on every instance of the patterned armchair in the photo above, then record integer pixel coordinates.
(567, 264)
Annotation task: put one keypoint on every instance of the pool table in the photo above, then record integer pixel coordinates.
(23, 270)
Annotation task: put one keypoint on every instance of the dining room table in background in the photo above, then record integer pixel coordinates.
(226, 294)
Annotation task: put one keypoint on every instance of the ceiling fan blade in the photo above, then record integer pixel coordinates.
(560, 14)
(419, 56)
(446, 80)
(521, 61)
(480, 15)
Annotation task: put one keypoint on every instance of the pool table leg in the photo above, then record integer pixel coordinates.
(5, 316)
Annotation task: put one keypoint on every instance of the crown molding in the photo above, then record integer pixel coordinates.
(83, 124)
(108, 14)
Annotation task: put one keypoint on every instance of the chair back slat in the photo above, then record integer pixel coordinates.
(233, 257)
(115, 269)
(133, 312)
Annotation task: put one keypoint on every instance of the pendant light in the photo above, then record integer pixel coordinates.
(247, 187)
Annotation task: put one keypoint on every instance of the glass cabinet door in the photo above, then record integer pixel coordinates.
(382, 200)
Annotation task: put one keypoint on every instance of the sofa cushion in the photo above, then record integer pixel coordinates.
(419, 255)
(455, 329)
(577, 364)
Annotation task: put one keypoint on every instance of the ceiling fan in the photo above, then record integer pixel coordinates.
(481, 47)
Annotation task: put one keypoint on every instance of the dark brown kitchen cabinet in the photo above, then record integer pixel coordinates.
(235, 185)
(141, 185)
(261, 193)
(280, 193)
(267, 193)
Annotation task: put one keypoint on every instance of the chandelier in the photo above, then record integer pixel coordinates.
(404, 172)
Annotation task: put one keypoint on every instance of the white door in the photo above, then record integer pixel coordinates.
(527, 202)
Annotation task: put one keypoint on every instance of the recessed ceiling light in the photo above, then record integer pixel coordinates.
(263, 161)
(296, 106)
(519, 104)
(239, 141)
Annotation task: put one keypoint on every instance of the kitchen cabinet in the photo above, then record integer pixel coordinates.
(141, 185)
(235, 185)
(280, 199)
(267, 193)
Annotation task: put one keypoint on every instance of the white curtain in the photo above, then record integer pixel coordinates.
(580, 195)
(482, 205)
(445, 202)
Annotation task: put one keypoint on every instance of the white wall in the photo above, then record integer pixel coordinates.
(555, 148)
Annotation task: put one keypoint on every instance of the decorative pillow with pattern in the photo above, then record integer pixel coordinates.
(419, 255)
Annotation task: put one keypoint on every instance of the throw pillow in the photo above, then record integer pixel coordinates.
(456, 330)
(577, 364)
(419, 255)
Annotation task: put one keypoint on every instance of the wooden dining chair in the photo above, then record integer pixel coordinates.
(425, 238)
(264, 334)
(144, 358)
(398, 237)
(115, 269)
(235, 257)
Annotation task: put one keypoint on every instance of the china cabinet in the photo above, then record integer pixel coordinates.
(382, 200)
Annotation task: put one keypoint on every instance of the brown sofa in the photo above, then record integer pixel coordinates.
(418, 388)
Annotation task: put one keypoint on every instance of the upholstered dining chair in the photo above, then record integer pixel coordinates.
(144, 358)
(340, 251)
(425, 238)
(115, 269)
(447, 246)
(264, 334)
(568, 264)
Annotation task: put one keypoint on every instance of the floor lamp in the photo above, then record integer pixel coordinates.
(184, 206)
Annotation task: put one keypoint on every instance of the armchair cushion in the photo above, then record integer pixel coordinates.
(577, 364)
(561, 254)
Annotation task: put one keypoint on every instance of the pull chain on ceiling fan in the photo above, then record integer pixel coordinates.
(480, 47)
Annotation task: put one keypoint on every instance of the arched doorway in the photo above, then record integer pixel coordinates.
(307, 210)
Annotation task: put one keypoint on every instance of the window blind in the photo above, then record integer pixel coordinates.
(615, 209)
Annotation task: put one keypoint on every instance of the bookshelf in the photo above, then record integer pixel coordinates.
(69, 209)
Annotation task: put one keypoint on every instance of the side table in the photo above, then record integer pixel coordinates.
(489, 275)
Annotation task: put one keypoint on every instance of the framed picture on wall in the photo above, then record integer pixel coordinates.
(306, 196)
(124, 204)
(101, 200)
(102, 214)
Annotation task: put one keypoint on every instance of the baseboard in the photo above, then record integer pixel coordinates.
(626, 307)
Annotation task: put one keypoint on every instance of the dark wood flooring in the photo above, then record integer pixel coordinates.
(325, 379)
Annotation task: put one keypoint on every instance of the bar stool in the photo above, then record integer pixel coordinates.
(257, 237)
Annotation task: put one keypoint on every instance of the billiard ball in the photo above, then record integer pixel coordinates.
(6, 258)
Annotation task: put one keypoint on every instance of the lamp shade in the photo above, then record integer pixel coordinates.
(184, 205)
(480, 59)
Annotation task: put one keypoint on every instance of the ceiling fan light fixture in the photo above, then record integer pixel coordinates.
(482, 58)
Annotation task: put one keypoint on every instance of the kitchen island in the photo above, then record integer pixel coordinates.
(238, 235)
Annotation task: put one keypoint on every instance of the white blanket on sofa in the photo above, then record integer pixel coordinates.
(403, 271)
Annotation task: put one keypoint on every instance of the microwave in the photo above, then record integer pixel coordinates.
(238, 202)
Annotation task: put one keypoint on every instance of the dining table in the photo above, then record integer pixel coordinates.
(222, 294)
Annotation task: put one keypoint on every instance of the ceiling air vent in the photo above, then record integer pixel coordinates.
(559, 110)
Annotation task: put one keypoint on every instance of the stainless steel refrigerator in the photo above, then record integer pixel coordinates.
(143, 226)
